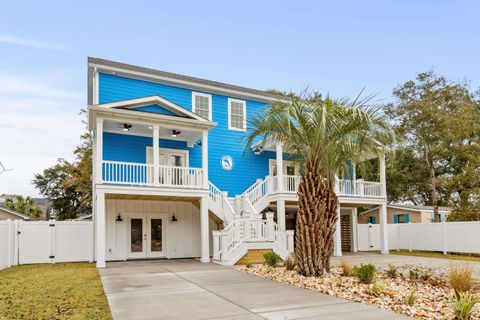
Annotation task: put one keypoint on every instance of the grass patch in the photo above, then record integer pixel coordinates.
(52, 291)
(439, 255)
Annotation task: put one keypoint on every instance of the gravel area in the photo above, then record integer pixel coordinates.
(432, 296)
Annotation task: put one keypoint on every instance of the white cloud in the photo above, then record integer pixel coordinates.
(39, 123)
(27, 42)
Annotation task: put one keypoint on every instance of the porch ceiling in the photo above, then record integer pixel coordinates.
(188, 135)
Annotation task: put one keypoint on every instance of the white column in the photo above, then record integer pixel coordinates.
(383, 229)
(99, 149)
(100, 229)
(281, 214)
(337, 237)
(204, 230)
(205, 157)
(354, 230)
(270, 226)
(156, 155)
(383, 176)
(279, 150)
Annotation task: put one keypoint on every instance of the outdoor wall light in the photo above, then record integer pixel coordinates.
(257, 151)
(174, 219)
(119, 218)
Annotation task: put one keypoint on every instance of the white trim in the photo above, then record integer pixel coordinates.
(145, 101)
(168, 151)
(146, 118)
(286, 163)
(244, 103)
(206, 95)
(186, 84)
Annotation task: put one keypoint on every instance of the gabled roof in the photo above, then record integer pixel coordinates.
(152, 100)
(123, 69)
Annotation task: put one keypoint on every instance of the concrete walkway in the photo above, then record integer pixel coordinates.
(187, 289)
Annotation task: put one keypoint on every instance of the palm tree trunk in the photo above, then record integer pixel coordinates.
(330, 199)
(309, 241)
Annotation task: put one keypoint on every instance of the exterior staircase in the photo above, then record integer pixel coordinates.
(245, 227)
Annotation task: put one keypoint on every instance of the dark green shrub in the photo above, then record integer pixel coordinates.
(271, 259)
(365, 273)
(249, 265)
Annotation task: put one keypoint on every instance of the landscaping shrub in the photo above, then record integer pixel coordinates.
(249, 265)
(462, 305)
(376, 289)
(347, 269)
(426, 274)
(290, 262)
(271, 259)
(460, 279)
(365, 273)
(410, 299)
(414, 274)
(392, 271)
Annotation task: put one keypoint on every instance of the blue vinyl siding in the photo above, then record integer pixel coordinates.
(156, 109)
(247, 166)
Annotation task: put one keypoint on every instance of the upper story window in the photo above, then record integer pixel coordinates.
(237, 115)
(202, 105)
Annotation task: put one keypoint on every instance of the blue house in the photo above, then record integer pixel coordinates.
(173, 178)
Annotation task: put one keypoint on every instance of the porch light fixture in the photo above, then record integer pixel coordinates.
(174, 219)
(150, 128)
(257, 151)
(175, 133)
(119, 218)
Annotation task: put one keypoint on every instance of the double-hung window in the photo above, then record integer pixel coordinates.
(202, 105)
(237, 115)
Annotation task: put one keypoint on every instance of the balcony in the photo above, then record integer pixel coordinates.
(289, 185)
(141, 174)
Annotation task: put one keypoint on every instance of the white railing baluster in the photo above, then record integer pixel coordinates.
(131, 173)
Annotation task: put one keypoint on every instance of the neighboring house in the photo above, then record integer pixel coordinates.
(172, 177)
(397, 213)
(6, 214)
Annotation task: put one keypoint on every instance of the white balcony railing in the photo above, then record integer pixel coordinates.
(130, 173)
(347, 188)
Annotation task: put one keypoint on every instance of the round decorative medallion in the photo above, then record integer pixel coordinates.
(226, 162)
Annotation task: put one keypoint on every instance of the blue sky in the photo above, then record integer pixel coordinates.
(338, 47)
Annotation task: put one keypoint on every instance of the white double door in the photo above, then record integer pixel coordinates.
(146, 236)
(171, 162)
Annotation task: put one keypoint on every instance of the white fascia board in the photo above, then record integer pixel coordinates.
(145, 101)
(146, 118)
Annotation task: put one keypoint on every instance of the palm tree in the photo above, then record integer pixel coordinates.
(324, 134)
(25, 205)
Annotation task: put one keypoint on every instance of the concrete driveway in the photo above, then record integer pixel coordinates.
(187, 289)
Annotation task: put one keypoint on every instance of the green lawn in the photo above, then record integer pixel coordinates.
(439, 255)
(52, 291)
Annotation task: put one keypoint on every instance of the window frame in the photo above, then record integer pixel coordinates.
(206, 95)
(244, 103)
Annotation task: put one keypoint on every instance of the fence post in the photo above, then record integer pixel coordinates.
(399, 236)
(16, 248)
(445, 242)
(409, 236)
(52, 241)
(11, 240)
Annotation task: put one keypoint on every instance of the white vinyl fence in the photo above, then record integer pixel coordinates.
(461, 237)
(24, 242)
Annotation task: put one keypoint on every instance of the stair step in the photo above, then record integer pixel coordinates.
(254, 256)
